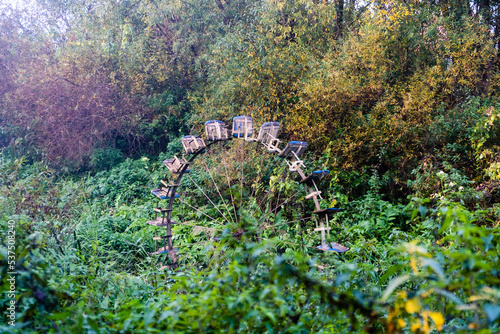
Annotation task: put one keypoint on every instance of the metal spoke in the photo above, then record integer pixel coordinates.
(267, 214)
(290, 243)
(254, 188)
(264, 198)
(215, 206)
(218, 190)
(229, 187)
(198, 210)
(293, 221)
(194, 243)
(194, 225)
(268, 192)
(241, 177)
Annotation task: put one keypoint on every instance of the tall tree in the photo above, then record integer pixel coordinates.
(340, 17)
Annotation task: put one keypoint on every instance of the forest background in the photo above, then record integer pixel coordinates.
(399, 99)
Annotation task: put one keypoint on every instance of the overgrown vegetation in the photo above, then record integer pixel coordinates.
(83, 262)
(398, 99)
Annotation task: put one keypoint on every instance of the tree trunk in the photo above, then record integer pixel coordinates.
(340, 17)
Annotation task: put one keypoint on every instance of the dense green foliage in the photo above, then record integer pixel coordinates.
(83, 262)
(377, 84)
(399, 99)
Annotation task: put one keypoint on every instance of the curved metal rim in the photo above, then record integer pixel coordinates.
(193, 156)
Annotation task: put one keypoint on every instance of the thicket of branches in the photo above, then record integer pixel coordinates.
(378, 85)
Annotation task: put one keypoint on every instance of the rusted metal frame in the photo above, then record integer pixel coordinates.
(172, 197)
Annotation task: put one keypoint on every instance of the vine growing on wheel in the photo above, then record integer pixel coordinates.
(230, 188)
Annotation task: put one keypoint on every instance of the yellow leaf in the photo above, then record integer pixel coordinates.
(413, 305)
(415, 326)
(413, 263)
(476, 298)
(401, 323)
(425, 328)
(438, 319)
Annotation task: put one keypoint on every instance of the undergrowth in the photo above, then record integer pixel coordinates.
(426, 263)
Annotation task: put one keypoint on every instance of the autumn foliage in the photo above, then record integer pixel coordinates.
(375, 84)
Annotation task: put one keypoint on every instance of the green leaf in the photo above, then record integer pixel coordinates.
(449, 295)
(435, 266)
(391, 271)
(492, 311)
(487, 242)
(393, 285)
(59, 316)
(422, 210)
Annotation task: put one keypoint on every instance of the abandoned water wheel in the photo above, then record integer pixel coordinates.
(217, 135)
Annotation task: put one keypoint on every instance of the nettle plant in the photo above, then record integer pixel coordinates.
(452, 282)
(443, 182)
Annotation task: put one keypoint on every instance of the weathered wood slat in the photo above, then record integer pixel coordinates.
(169, 185)
(159, 222)
(314, 175)
(158, 253)
(163, 193)
(323, 229)
(163, 250)
(327, 211)
(313, 194)
(161, 209)
(161, 238)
